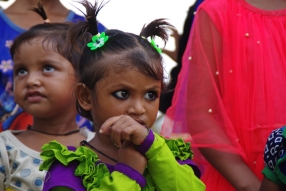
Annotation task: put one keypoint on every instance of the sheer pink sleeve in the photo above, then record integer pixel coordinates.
(198, 108)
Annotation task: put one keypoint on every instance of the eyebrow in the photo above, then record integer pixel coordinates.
(119, 85)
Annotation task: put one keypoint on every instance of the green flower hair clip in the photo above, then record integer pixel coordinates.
(155, 46)
(97, 41)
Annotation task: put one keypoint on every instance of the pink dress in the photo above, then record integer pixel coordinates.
(231, 91)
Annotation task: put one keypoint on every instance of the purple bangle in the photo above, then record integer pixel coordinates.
(131, 173)
(145, 146)
(71, 148)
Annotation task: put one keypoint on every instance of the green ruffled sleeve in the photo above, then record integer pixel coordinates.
(164, 169)
(94, 177)
(179, 148)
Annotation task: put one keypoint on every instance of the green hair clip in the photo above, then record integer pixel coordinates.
(153, 44)
(97, 41)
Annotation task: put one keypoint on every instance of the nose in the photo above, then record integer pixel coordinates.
(136, 107)
(33, 80)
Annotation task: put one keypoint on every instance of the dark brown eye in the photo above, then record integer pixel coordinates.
(121, 94)
(151, 96)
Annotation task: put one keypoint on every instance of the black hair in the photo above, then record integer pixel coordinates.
(54, 34)
(135, 49)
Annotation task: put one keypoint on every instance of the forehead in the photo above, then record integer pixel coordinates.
(37, 41)
(35, 47)
(123, 61)
(38, 51)
(130, 78)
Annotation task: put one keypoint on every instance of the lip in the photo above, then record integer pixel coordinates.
(34, 96)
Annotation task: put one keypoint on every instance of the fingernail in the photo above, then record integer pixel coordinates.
(100, 131)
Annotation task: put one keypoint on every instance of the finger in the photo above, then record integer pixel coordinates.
(116, 131)
(126, 134)
(105, 127)
(134, 133)
(117, 128)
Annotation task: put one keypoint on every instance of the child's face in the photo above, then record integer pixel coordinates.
(126, 93)
(43, 81)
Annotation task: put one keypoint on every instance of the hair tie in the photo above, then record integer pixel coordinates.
(47, 21)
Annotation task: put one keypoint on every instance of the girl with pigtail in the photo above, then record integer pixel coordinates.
(44, 82)
(14, 21)
(120, 80)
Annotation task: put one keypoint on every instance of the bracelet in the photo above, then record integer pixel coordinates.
(146, 143)
(148, 131)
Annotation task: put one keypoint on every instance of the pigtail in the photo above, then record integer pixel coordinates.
(41, 11)
(158, 27)
(90, 25)
(84, 30)
(79, 35)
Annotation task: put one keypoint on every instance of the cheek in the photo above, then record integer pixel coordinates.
(18, 95)
(152, 112)
(17, 86)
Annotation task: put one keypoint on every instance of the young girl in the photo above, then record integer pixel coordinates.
(274, 158)
(44, 81)
(120, 80)
(15, 20)
(230, 93)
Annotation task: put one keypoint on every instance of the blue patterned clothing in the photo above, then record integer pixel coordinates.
(19, 165)
(275, 158)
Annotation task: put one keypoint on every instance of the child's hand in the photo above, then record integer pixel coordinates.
(125, 128)
(128, 155)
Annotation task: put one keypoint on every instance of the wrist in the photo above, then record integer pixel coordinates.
(142, 140)
(146, 143)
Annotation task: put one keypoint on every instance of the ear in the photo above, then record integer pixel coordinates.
(83, 95)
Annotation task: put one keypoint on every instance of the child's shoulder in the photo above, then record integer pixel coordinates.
(8, 136)
(15, 148)
(19, 164)
(82, 161)
(55, 151)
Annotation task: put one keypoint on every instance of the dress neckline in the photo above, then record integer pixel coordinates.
(279, 12)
